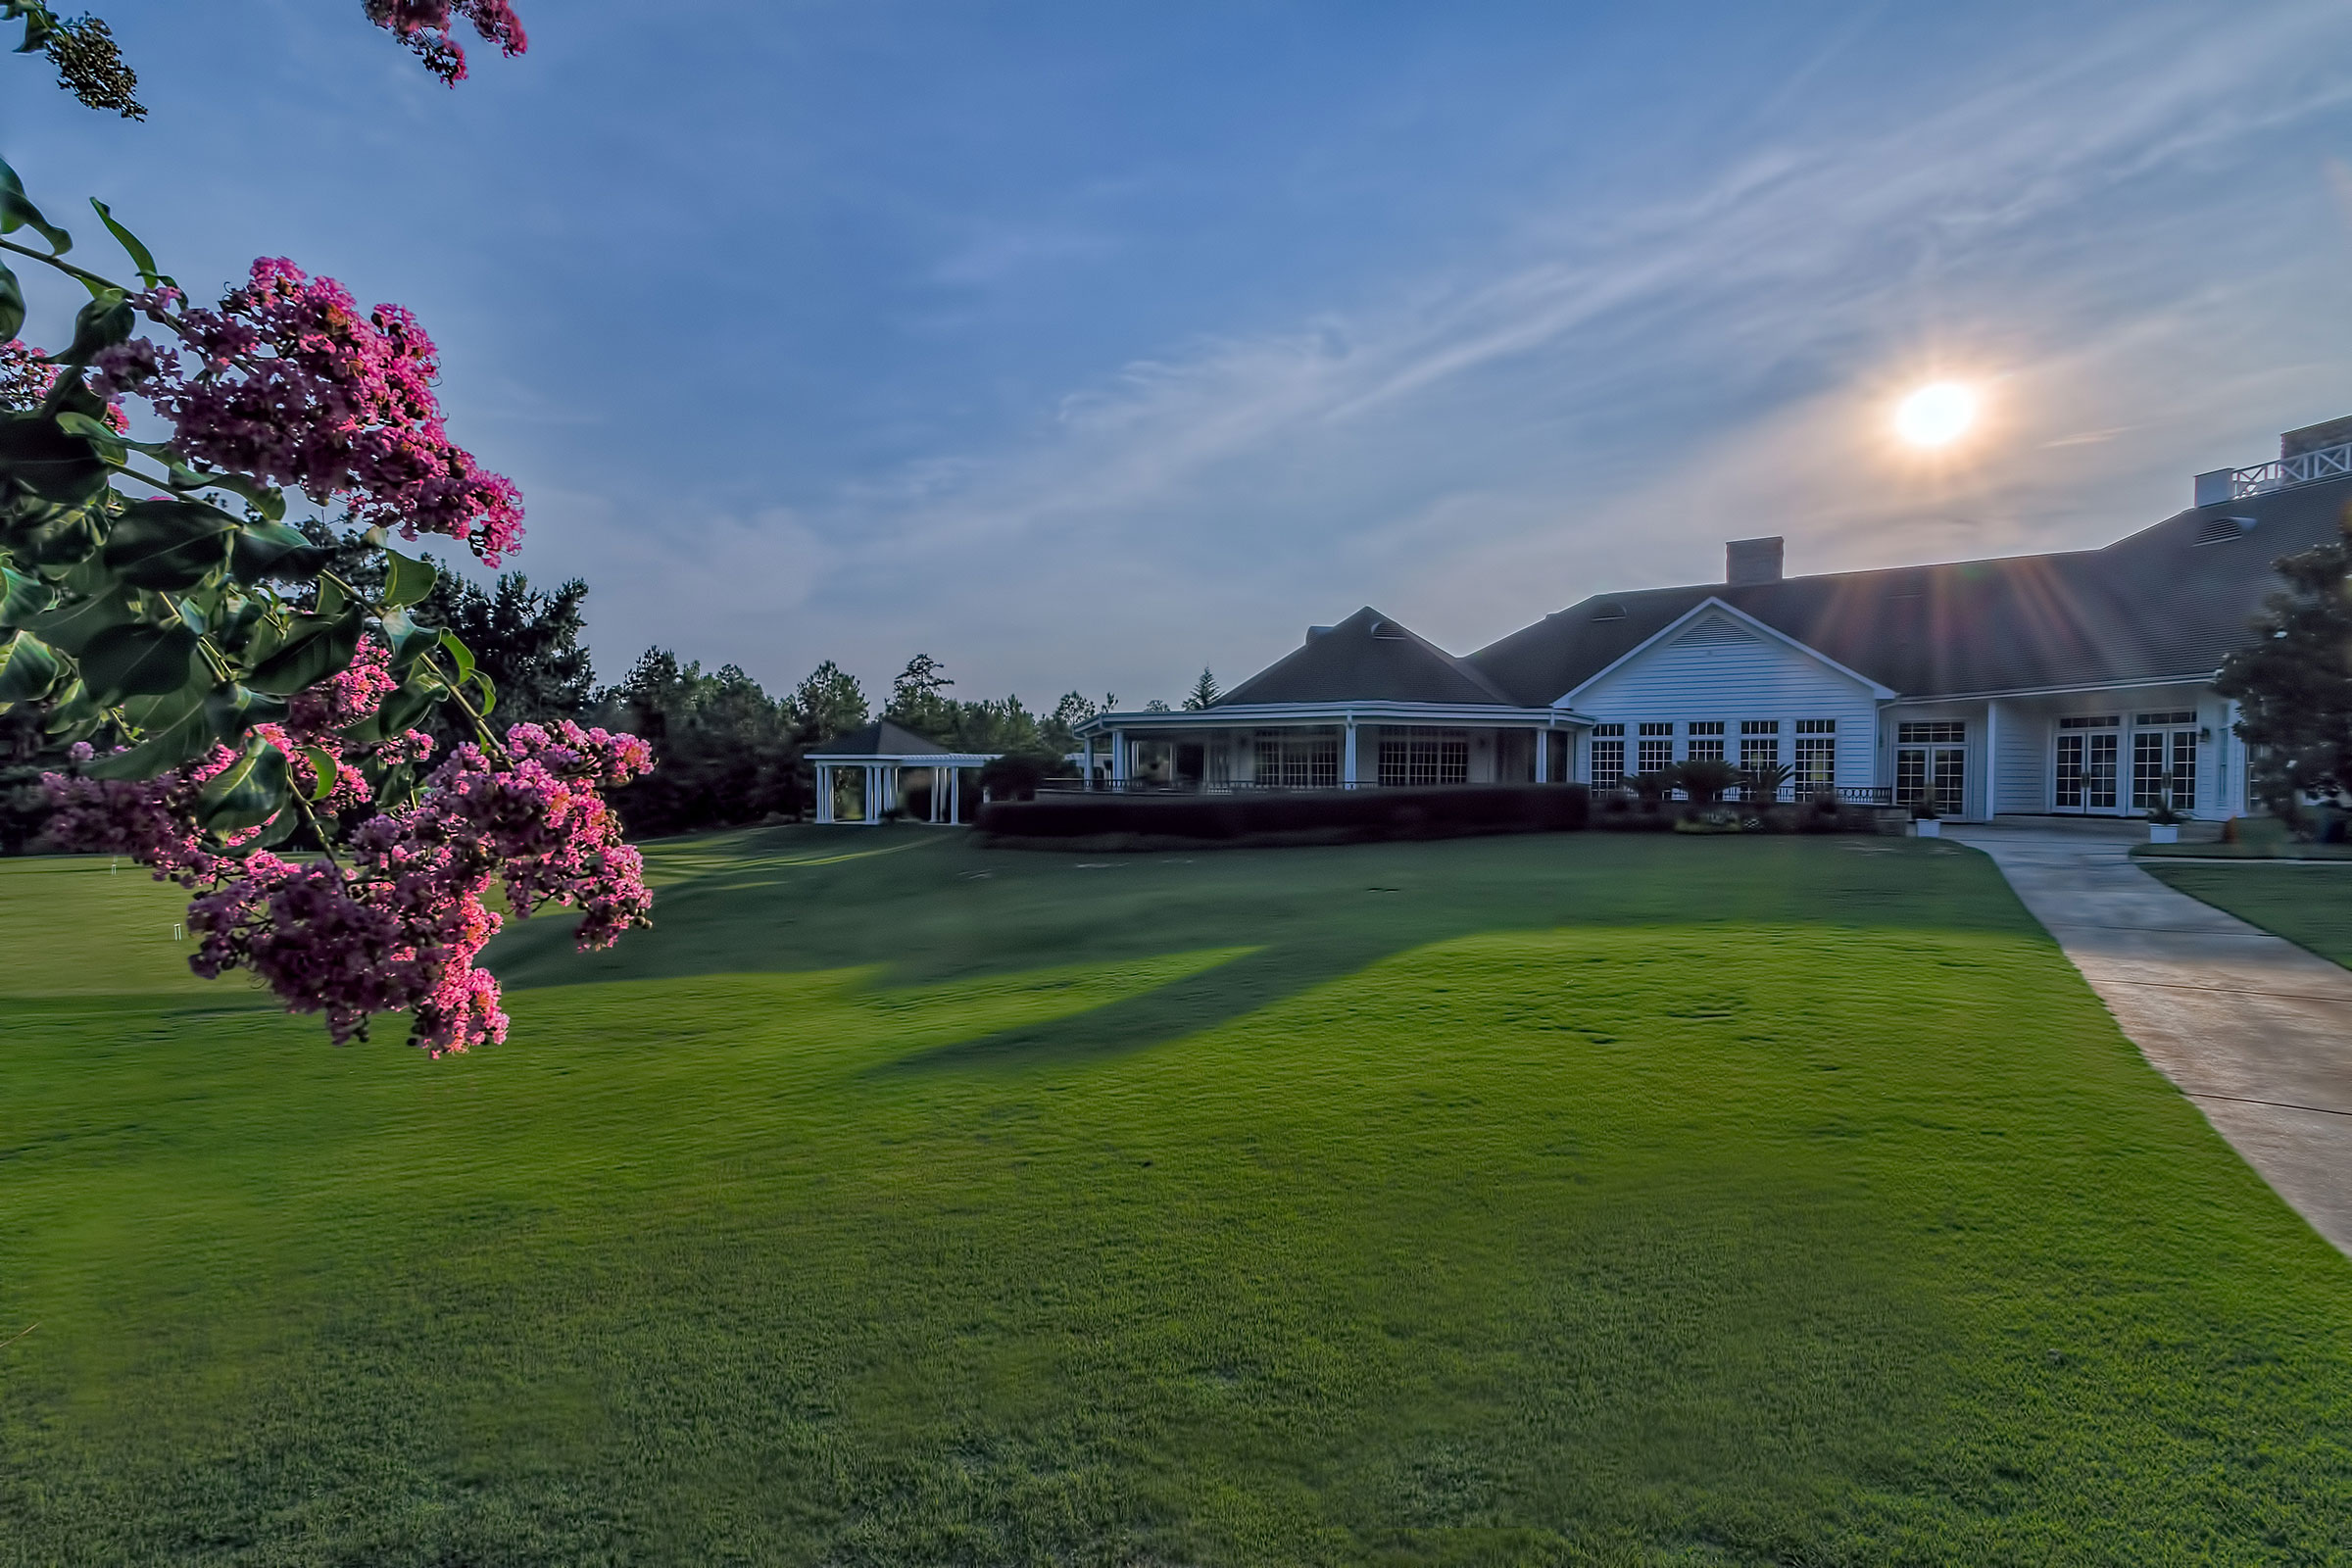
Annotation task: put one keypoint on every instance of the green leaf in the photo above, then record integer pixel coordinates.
(314, 648)
(247, 793)
(102, 324)
(283, 827)
(138, 661)
(407, 579)
(168, 543)
(182, 741)
(269, 502)
(324, 771)
(232, 710)
(459, 654)
(408, 639)
(140, 257)
(17, 212)
(68, 628)
(11, 304)
(27, 669)
(21, 597)
(332, 595)
(260, 551)
(489, 690)
(57, 467)
(163, 709)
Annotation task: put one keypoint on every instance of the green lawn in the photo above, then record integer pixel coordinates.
(1579, 1198)
(2310, 906)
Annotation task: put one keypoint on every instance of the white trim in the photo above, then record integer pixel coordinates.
(1250, 715)
(906, 758)
(2204, 678)
(1882, 693)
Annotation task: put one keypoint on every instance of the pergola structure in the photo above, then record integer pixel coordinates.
(880, 754)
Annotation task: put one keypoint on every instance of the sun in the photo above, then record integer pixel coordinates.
(1937, 415)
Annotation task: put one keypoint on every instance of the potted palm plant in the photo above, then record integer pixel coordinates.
(2164, 823)
(1924, 820)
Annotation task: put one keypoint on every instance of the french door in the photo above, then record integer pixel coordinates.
(1930, 763)
(2086, 770)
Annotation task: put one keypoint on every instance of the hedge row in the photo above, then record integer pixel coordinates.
(1370, 814)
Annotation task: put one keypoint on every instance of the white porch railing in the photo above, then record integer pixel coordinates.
(2281, 474)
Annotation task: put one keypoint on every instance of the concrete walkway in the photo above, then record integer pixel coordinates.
(2252, 1028)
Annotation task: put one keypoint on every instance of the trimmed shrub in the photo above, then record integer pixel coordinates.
(1356, 814)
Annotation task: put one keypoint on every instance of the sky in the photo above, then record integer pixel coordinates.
(1084, 345)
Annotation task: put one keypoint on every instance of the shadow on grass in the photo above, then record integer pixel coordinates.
(952, 909)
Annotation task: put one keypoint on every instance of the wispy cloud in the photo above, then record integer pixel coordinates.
(1599, 406)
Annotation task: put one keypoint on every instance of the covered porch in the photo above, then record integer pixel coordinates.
(1327, 746)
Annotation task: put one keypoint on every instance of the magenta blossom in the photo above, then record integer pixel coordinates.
(292, 384)
(424, 26)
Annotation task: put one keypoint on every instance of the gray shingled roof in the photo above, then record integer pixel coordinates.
(884, 737)
(1368, 657)
(2158, 603)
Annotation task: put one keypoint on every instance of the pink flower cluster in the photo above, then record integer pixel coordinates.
(26, 375)
(400, 927)
(293, 384)
(424, 27)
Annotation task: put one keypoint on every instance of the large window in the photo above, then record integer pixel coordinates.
(1816, 754)
(1299, 759)
(1656, 753)
(1706, 741)
(1759, 743)
(2164, 762)
(1608, 756)
(1417, 756)
(1930, 764)
(2087, 763)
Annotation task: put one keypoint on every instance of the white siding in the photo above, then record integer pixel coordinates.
(1717, 667)
(2025, 764)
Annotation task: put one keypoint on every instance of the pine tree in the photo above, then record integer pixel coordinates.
(1205, 692)
(2294, 685)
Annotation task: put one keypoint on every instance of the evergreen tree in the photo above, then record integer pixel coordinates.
(829, 703)
(2294, 685)
(919, 700)
(1205, 692)
(723, 748)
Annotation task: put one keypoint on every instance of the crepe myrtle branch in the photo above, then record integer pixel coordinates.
(218, 692)
(90, 64)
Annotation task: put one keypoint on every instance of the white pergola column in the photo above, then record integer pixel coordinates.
(1119, 757)
(1542, 754)
(1347, 756)
(824, 794)
(955, 795)
(1090, 761)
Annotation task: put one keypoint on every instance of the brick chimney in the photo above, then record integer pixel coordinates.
(1748, 561)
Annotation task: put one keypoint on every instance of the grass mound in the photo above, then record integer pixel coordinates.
(1556, 1200)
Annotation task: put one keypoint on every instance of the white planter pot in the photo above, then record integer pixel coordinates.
(2164, 832)
(1927, 827)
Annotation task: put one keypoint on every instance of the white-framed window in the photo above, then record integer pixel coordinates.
(1414, 754)
(1298, 758)
(1816, 761)
(1706, 741)
(1608, 756)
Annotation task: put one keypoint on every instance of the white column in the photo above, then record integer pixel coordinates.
(955, 795)
(1992, 760)
(824, 794)
(1119, 757)
(1542, 754)
(1090, 761)
(1347, 757)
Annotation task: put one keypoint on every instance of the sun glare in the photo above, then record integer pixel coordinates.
(1937, 415)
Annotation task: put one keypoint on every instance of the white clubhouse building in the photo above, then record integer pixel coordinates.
(2077, 683)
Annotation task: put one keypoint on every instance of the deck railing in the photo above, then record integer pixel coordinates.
(2283, 474)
